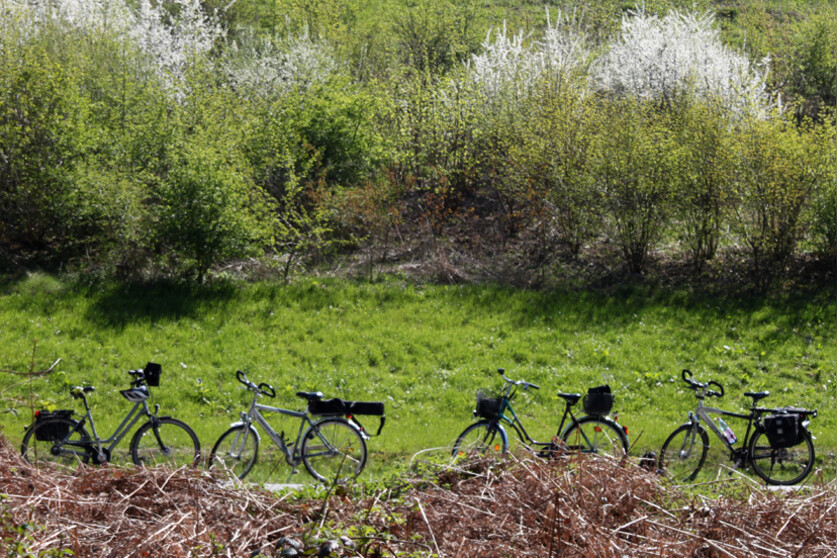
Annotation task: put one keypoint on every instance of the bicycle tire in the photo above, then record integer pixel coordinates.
(333, 451)
(165, 441)
(781, 466)
(480, 439)
(596, 435)
(235, 452)
(49, 452)
(681, 460)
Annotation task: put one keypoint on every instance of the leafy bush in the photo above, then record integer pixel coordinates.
(703, 173)
(42, 138)
(776, 167)
(636, 168)
(208, 211)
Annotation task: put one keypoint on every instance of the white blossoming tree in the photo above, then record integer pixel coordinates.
(660, 58)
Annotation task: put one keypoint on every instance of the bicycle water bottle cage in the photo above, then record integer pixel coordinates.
(135, 394)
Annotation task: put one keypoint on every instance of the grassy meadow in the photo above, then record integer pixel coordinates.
(423, 349)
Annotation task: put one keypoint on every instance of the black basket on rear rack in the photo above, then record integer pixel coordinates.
(488, 404)
(54, 431)
(598, 401)
(152, 373)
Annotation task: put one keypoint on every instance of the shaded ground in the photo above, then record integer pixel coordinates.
(521, 507)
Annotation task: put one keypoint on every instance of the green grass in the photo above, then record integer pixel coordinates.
(424, 350)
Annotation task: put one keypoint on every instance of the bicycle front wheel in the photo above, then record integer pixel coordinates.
(333, 451)
(235, 452)
(596, 435)
(480, 439)
(781, 466)
(56, 440)
(165, 441)
(684, 453)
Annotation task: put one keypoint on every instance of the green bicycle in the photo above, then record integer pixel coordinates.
(594, 433)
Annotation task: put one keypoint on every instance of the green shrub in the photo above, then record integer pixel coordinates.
(776, 168)
(636, 170)
(208, 210)
(702, 176)
(43, 135)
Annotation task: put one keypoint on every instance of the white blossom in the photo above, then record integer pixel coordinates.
(170, 37)
(265, 69)
(659, 57)
(513, 65)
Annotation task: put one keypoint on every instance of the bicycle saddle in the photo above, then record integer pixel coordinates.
(757, 395)
(310, 395)
(572, 398)
(77, 392)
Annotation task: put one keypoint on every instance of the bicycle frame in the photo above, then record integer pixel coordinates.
(518, 427)
(703, 413)
(292, 454)
(133, 416)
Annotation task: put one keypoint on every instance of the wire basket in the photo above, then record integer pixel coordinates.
(488, 404)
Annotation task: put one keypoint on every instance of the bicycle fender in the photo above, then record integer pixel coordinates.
(252, 430)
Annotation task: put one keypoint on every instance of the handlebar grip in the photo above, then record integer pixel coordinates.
(501, 371)
(534, 386)
(719, 393)
(267, 389)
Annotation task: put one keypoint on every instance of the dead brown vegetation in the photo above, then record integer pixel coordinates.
(519, 507)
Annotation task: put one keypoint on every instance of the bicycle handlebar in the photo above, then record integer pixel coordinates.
(262, 389)
(267, 389)
(695, 385)
(525, 385)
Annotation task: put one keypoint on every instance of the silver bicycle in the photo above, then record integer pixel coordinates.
(332, 448)
(777, 443)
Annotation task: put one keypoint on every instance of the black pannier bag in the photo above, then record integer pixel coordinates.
(152, 372)
(488, 404)
(327, 407)
(54, 431)
(784, 430)
(598, 401)
(342, 407)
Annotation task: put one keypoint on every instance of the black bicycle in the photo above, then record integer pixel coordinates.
(777, 443)
(594, 433)
(56, 437)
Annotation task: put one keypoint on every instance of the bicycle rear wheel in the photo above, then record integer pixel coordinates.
(333, 451)
(56, 440)
(684, 453)
(596, 435)
(781, 466)
(480, 439)
(165, 441)
(235, 452)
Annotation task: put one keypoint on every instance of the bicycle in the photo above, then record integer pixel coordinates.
(777, 443)
(332, 449)
(593, 433)
(65, 441)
